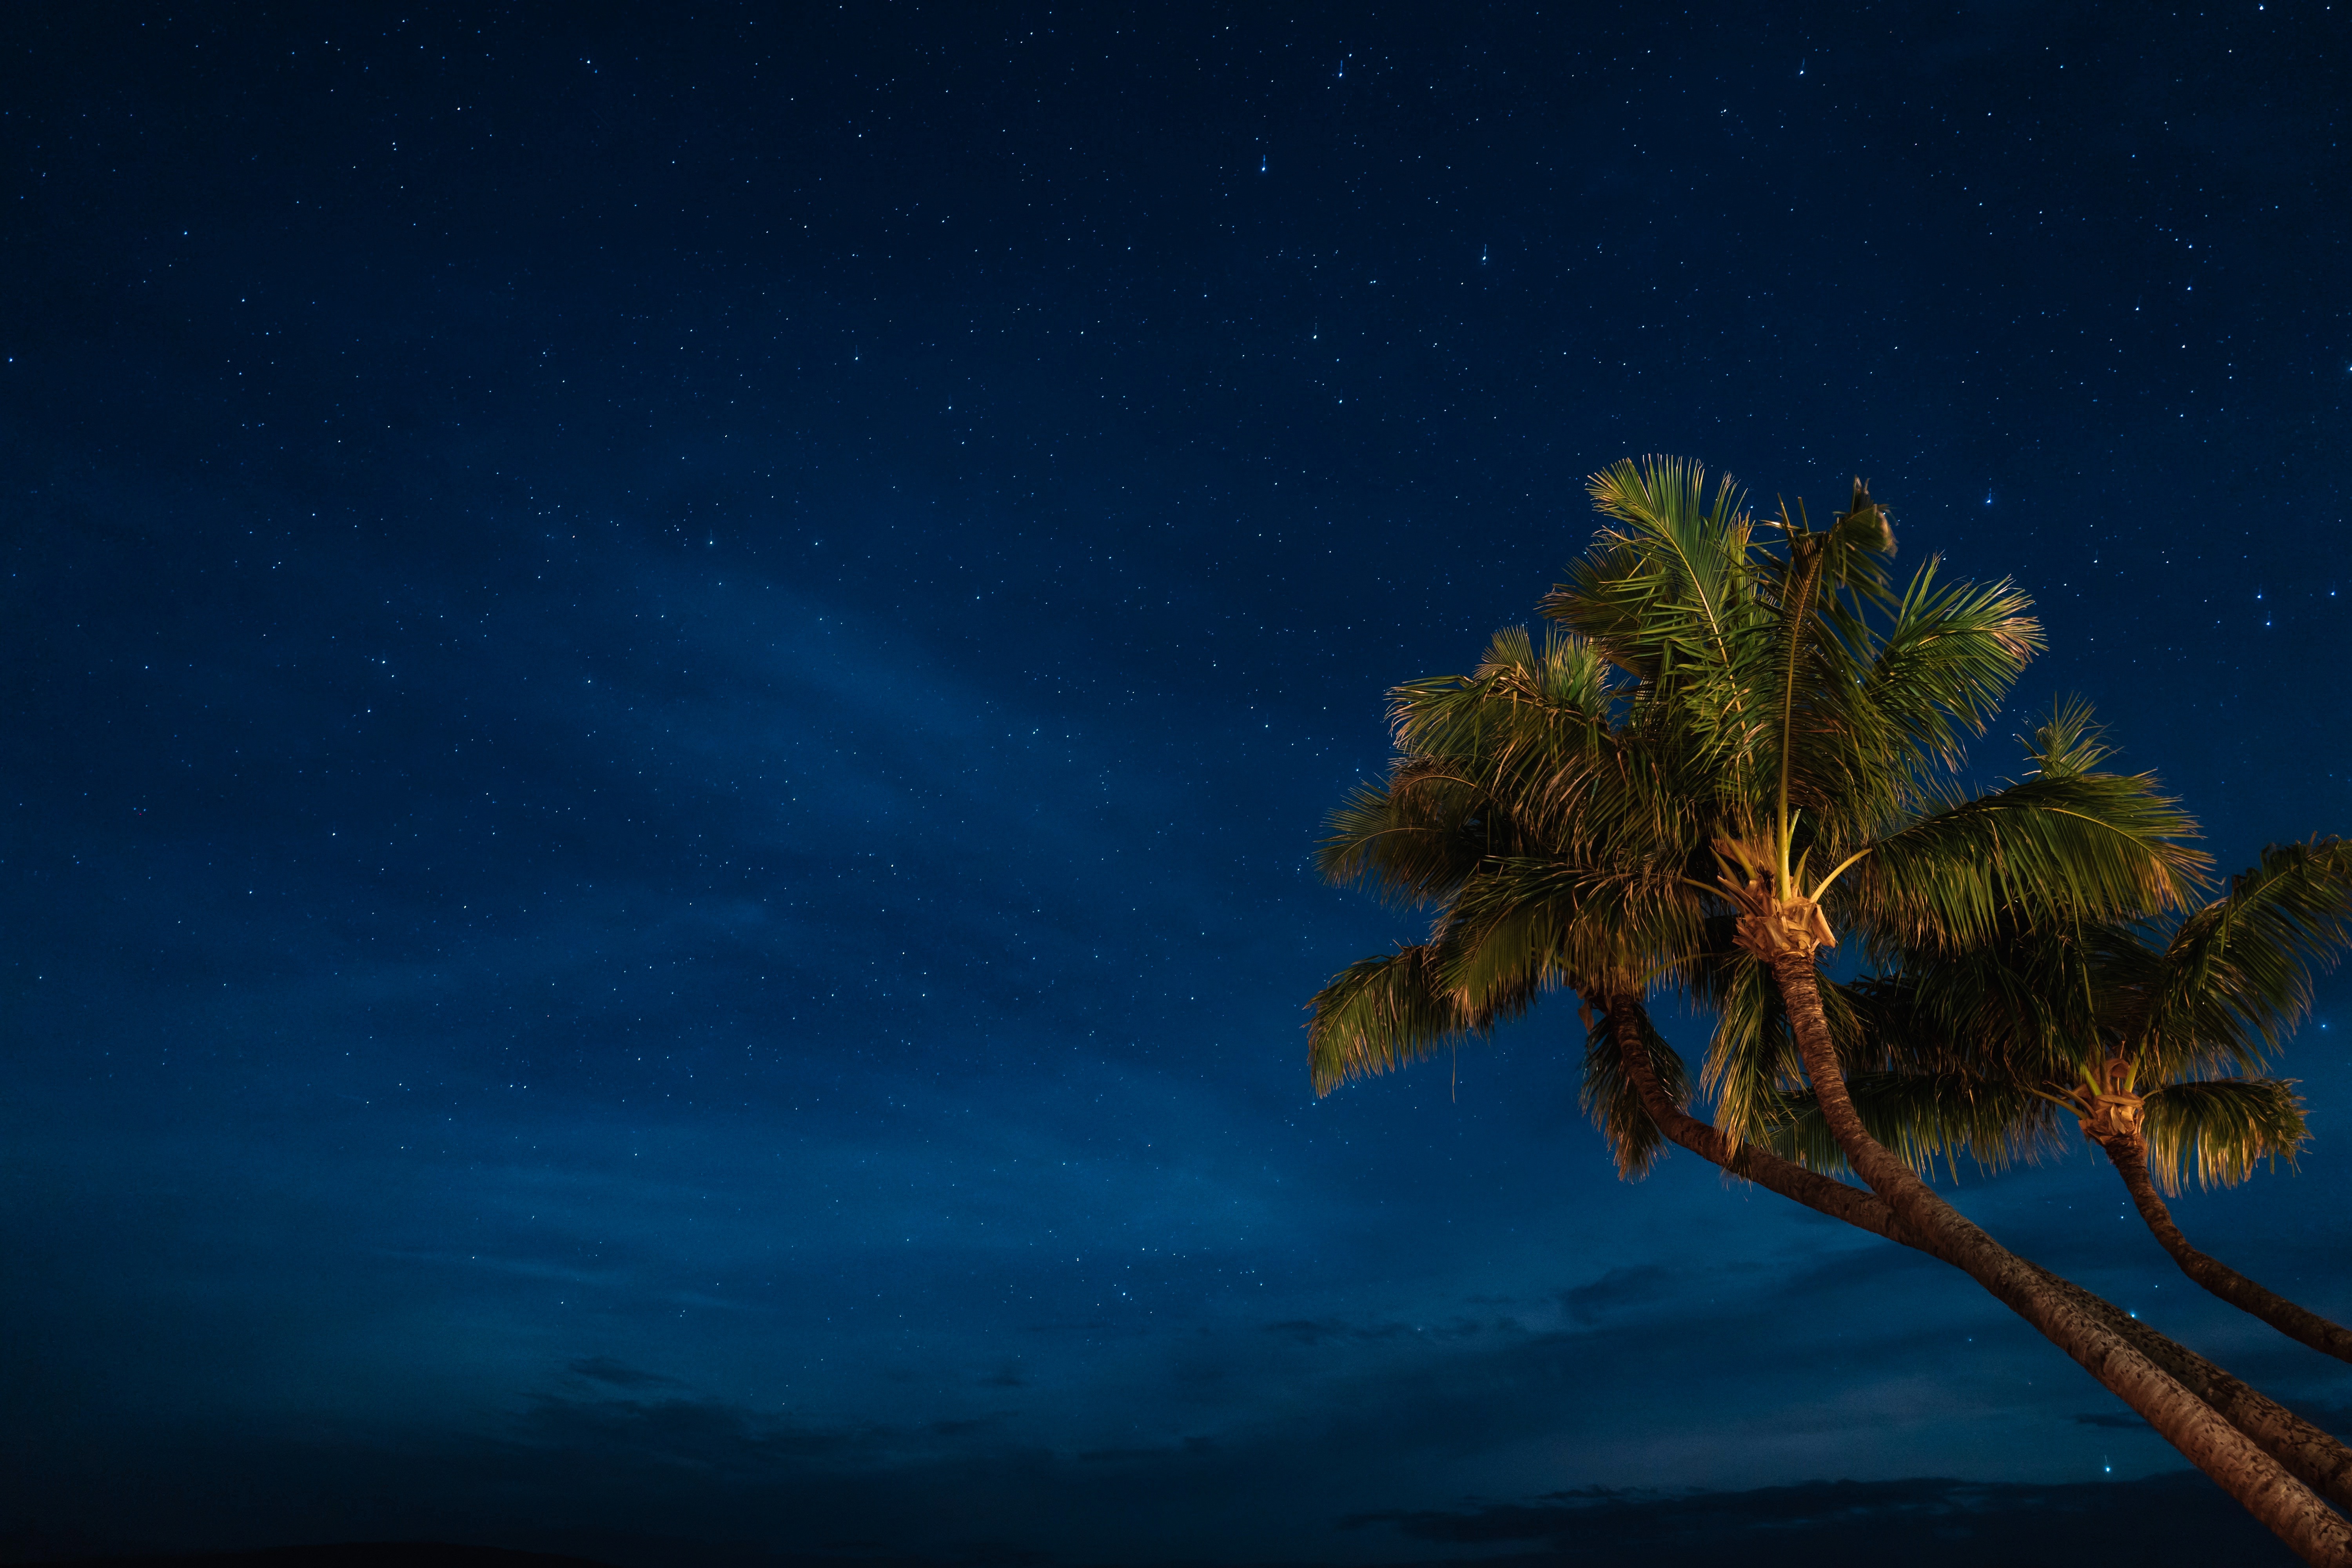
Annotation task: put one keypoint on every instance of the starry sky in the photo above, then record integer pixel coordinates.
(671, 672)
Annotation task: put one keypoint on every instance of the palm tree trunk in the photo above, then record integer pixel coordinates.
(2129, 1153)
(1709, 1142)
(2263, 1487)
(2310, 1455)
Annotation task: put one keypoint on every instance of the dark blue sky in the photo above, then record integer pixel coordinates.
(671, 673)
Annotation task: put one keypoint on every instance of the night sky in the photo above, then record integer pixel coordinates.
(670, 676)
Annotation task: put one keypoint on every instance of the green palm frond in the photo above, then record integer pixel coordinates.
(1947, 660)
(1861, 541)
(1752, 1061)
(1532, 729)
(2070, 743)
(1517, 690)
(1382, 1013)
(1817, 742)
(2089, 845)
(2236, 975)
(1561, 920)
(2028, 1002)
(1610, 1098)
(1414, 838)
(1567, 674)
(2221, 1129)
(2053, 1006)
(1670, 574)
(1927, 1120)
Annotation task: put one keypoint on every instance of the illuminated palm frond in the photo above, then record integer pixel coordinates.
(2221, 1129)
(2236, 975)
(1671, 578)
(1595, 926)
(1381, 1012)
(1928, 1120)
(1610, 1098)
(1752, 1061)
(2081, 846)
(1944, 665)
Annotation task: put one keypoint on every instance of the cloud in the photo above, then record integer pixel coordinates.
(706, 1435)
(606, 1370)
(2123, 1420)
(1335, 1330)
(1619, 1287)
(1322, 1330)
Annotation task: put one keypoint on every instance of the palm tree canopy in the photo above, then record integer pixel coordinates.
(1775, 711)
(2142, 1010)
(1567, 809)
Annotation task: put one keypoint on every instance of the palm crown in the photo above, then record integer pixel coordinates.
(1723, 709)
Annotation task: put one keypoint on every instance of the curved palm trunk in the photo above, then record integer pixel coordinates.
(1766, 1170)
(2287, 1508)
(2129, 1153)
(2307, 1453)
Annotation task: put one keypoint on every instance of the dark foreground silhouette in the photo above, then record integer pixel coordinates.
(2174, 1521)
(353, 1555)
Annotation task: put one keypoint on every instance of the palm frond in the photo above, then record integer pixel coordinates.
(1529, 920)
(1927, 1120)
(1950, 658)
(1382, 1013)
(1610, 1098)
(1414, 838)
(2221, 1129)
(1752, 1061)
(1859, 542)
(2029, 1003)
(2070, 743)
(2236, 975)
(2089, 846)
(1669, 576)
(1533, 729)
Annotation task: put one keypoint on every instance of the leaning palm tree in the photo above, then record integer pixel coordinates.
(1631, 1078)
(1387, 1011)
(2231, 982)
(1731, 708)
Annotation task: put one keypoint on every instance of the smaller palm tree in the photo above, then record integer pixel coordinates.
(2156, 1041)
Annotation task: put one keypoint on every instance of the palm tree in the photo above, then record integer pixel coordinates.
(2121, 1025)
(1778, 705)
(1389, 1011)
(2232, 981)
(1629, 1069)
